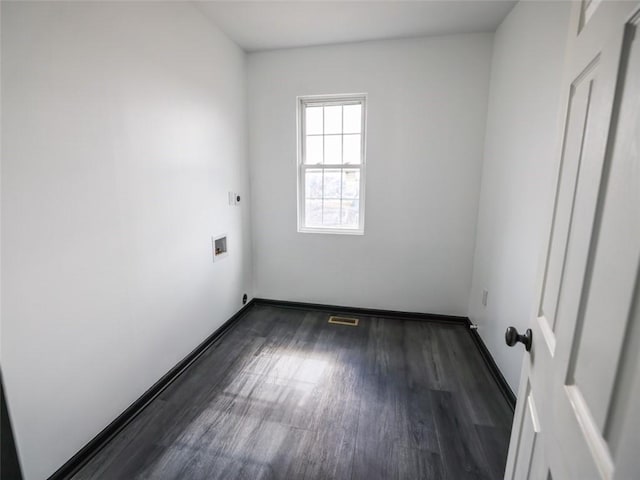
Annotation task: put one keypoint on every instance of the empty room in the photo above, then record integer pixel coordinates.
(350, 240)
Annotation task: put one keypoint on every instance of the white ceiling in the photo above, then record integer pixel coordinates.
(266, 25)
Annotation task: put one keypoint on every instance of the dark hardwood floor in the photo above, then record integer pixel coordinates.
(285, 395)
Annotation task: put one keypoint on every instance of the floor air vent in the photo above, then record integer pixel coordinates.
(344, 321)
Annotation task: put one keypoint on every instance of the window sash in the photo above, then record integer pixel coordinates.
(303, 167)
(303, 198)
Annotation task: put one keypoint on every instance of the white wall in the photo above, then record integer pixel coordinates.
(427, 101)
(124, 126)
(519, 164)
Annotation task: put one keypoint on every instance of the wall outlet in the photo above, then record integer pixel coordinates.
(485, 296)
(234, 199)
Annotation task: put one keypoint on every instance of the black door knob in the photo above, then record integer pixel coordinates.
(512, 337)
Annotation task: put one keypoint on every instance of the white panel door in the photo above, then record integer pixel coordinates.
(578, 414)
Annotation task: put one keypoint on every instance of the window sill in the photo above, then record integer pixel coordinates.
(331, 231)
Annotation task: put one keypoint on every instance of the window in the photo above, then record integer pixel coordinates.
(331, 164)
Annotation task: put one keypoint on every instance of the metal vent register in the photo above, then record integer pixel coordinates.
(353, 322)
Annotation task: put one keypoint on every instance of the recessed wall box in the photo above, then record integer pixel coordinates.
(219, 246)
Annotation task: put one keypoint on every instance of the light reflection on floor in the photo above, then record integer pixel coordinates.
(271, 376)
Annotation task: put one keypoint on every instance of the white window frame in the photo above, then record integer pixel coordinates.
(324, 100)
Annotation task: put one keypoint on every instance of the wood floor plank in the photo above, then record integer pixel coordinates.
(286, 395)
(474, 381)
(459, 444)
(327, 453)
(495, 444)
(422, 357)
(417, 464)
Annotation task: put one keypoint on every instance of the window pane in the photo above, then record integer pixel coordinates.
(313, 213)
(350, 183)
(351, 148)
(313, 184)
(331, 213)
(352, 119)
(333, 149)
(350, 213)
(333, 119)
(313, 150)
(332, 186)
(313, 120)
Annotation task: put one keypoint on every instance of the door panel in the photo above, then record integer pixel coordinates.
(595, 343)
(583, 369)
(576, 131)
(623, 424)
(528, 445)
(613, 277)
(587, 9)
